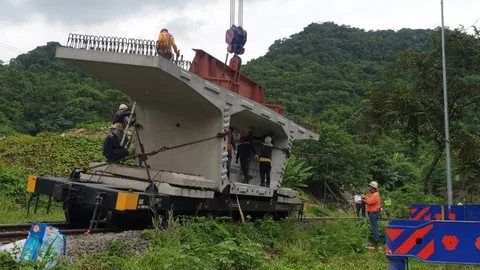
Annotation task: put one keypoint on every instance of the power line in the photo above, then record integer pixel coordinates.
(9, 47)
(473, 24)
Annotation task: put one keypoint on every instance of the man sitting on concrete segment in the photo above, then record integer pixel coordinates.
(374, 204)
(165, 42)
(112, 150)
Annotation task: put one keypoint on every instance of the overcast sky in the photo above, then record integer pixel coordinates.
(25, 24)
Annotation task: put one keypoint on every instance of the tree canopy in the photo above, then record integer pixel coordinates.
(39, 93)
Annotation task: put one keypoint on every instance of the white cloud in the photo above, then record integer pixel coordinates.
(202, 24)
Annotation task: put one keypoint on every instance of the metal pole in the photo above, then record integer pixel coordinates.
(240, 13)
(447, 129)
(232, 12)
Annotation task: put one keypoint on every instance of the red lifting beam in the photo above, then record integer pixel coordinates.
(213, 70)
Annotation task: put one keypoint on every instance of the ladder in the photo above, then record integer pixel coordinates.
(128, 124)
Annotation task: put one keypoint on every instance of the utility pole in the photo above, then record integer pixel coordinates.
(447, 129)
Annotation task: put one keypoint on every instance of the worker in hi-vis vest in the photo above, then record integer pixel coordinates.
(266, 161)
(387, 205)
(165, 43)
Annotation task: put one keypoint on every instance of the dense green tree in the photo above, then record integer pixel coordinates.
(40, 93)
(413, 98)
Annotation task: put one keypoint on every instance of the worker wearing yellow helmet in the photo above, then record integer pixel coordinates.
(165, 43)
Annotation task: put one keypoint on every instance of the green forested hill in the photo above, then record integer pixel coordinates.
(327, 64)
(39, 93)
(375, 95)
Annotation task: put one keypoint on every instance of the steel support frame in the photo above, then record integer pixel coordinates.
(397, 263)
(89, 195)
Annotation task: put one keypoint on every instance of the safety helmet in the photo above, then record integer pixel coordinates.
(164, 30)
(122, 107)
(268, 140)
(118, 126)
(373, 184)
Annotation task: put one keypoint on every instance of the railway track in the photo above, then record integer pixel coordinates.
(332, 219)
(13, 232)
(26, 226)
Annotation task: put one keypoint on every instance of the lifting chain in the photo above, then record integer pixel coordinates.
(166, 148)
(144, 156)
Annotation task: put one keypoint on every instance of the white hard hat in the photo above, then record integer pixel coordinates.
(460, 203)
(122, 107)
(118, 126)
(268, 140)
(373, 184)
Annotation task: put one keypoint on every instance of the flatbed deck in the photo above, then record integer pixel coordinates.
(82, 197)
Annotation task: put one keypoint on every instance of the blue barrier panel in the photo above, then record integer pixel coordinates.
(434, 241)
(470, 212)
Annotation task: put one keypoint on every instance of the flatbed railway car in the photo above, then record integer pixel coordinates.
(185, 110)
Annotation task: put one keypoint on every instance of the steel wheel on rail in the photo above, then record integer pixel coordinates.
(78, 216)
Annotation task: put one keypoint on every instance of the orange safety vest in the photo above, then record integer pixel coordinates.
(373, 202)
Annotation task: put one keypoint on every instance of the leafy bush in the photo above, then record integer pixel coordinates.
(296, 173)
(410, 194)
(317, 210)
(49, 153)
(13, 180)
(7, 262)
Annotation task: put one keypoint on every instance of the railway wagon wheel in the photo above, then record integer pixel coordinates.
(128, 220)
(78, 216)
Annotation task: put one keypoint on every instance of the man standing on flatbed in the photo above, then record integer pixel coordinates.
(373, 203)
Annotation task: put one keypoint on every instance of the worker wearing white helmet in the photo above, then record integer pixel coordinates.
(265, 161)
(121, 117)
(373, 203)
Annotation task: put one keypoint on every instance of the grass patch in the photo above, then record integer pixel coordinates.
(13, 212)
(208, 244)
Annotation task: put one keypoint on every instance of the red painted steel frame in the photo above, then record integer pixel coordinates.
(213, 70)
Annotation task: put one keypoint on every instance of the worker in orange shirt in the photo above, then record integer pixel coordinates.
(165, 42)
(373, 203)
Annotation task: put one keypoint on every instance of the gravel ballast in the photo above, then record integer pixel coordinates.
(80, 245)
